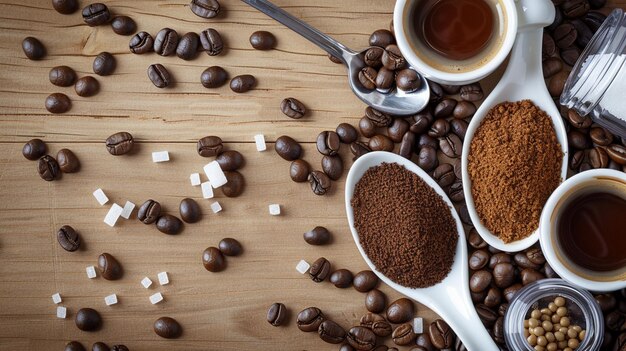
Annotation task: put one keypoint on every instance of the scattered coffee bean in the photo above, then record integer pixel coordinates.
(320, 270)
(165, 42)
(299, 170)
(408, 80)
(427, 158)
(471, 92)
(235, 185)
(451, 89)
(68, 238)
(119, 143)
(213, 77)
(367, 77)
(617, 153)
(104, 64)
(65, 7)
(385, 79)
(318, 236)
(230, 160)
(358, 149)
(584, 33)
(33, 48)
(190, 211)
(141, 43)
(309, 319)
(341, 278)
(451, 145)
(287, 148)
(167, 328)
(403, 335)
(292, 108)
(577, 140)
(382, 38)
(109, 267)
(230, 247)
(243, 83)
(205, 8)
(445, 108)
(441, 335)
(380, 119)
(594, 20)
(67, 160)
(62, 76)
(365, 281)
(375, 301)
(557, 83)
(347, 133)
(277, 314)
(601, 136)
(328, 143)
(262, 40)
(565, 35)
(187, 48)
(478, 259)
(118, 348)
(367, 127)
(213, 259)
(48, 168)
(444, 175)
(210, 146)
(459, 128)
(87, 86)
(570, 55)
(397, 129)
(34, 149)
(75, 346)
(400, 311)
(464, 109)
(320, 183)
(392, 58)
(58, 103)
(88, 319)
(407, 145)
(361, 338)
(380, 142)
(503, 275)
(159, 75)
(548, 46)
(211, 42)
(331, 332)
(96, 14)
(439, 129)
(123, 25)
(149, 212)
(456, 192)
(168, 224)
(332, 166)
(575, 8)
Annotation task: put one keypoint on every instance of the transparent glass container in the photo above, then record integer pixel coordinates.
(583, 311)
(597, 83)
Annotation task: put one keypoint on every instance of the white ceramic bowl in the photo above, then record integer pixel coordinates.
(585, 182)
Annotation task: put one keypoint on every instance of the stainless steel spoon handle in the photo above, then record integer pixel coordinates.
(318, 38)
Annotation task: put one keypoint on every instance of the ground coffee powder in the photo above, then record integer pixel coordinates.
(515, 164)
(404, 226)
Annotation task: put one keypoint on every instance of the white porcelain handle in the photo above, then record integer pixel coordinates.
(534, 14)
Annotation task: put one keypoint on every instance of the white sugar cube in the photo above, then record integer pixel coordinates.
(418, 325)
(160, 156)
(110, 300)
(91, 272)
(146, 282)
(274, 209)
(113, 215)
(259, 140)
(100, 196)
(303, 266)
(216, 207)
(128, 209)
(56, 298)
(163, 278)
(156, 298)
(61, 312)
(215, 174)
(207, 190)
(194, 178)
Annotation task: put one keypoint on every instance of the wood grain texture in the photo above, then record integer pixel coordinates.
(223, 311)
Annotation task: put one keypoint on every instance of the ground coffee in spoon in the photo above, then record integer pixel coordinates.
(404, 226)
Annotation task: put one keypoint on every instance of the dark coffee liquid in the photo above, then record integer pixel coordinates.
(456, 29)
(592, 232)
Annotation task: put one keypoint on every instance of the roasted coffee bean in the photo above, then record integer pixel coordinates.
(159, 75)
(320, 183)
(365, 281)
(341, 278)
(375, 301)
(464, 109)
(214, 77)
(230, 160)
(408, 80)
(445, 108)
(530, 275)
(109, 267)
(584, 33)
(385, 79)
(213, 260)
(287, 148)
(123, 25)
(328, 143)
(292, 108)
(87, 86)
(551, 67)
(205, 8)
(332, 166)
(165, 42)
(141, 43)
(230, 247)
(478, 297)
(500, 257)
(381, 328)
(299, 171)
(58, 103)
(607, 302)
(235, 185)
(33, 48)
(549, 272)
(493, 298)
(96, 14)
(243, 83)
(68, 238)
(480, 280)
(439, 129)
(104, 64)
(427, 158)
(65, 7)
(441, 335)
(167, 328)
(403, 335)
(34, 149)
(210, 146)
(423, 341)
(367, 77)
(444, 175)
(451, 145)
(373, 57)
(309, 319)
(459, 128)
(464, 215)
(594, 20)
(381, 142)
(347, 133)
(320, 270)
(67, 160)
(400, 311)
(407, 145)
(436, 92)
(380, 119)
(368, 320)
(521, 260)
(475, 240)
(361, 338)
(331, 332)
(478, 259)
(318, 236)
(190, 211)
(565, 35)
(48, 168)
(262, 40)
(558, 20)
(617, 153)
(570, 55)
(577, 140)
(557, 83)
(100, 346)
(119, 348)
(471, 92)
(503, 275)
(509, 293)
(168, 224)
(358, 149)
(367, 127)
(62, 76)
(382, 38)
(211, 42)
(451, 89)
(277, 314)
(88, 319)
(119, 143)
(548, 46)
(149, 212)
(187, 48)
(575, 8)
(392, 58)
(614, 320)
(422, 122)
(397, 129)
(601, 136)
(535, 256)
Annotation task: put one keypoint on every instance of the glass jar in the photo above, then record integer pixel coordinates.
(583, 311)
(597, 83)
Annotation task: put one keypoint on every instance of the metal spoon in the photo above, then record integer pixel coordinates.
(396, 102)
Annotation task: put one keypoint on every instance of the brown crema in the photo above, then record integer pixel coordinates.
(515, 164)
(404, 226)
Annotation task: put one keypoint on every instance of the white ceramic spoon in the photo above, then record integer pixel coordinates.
(522, 80)
(450, 299)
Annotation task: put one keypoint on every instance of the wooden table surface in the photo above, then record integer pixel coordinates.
(218, 311)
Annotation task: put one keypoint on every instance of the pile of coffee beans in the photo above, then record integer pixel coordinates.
(551, 328)
(98, 346)
(48, 167)
(213, 257)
